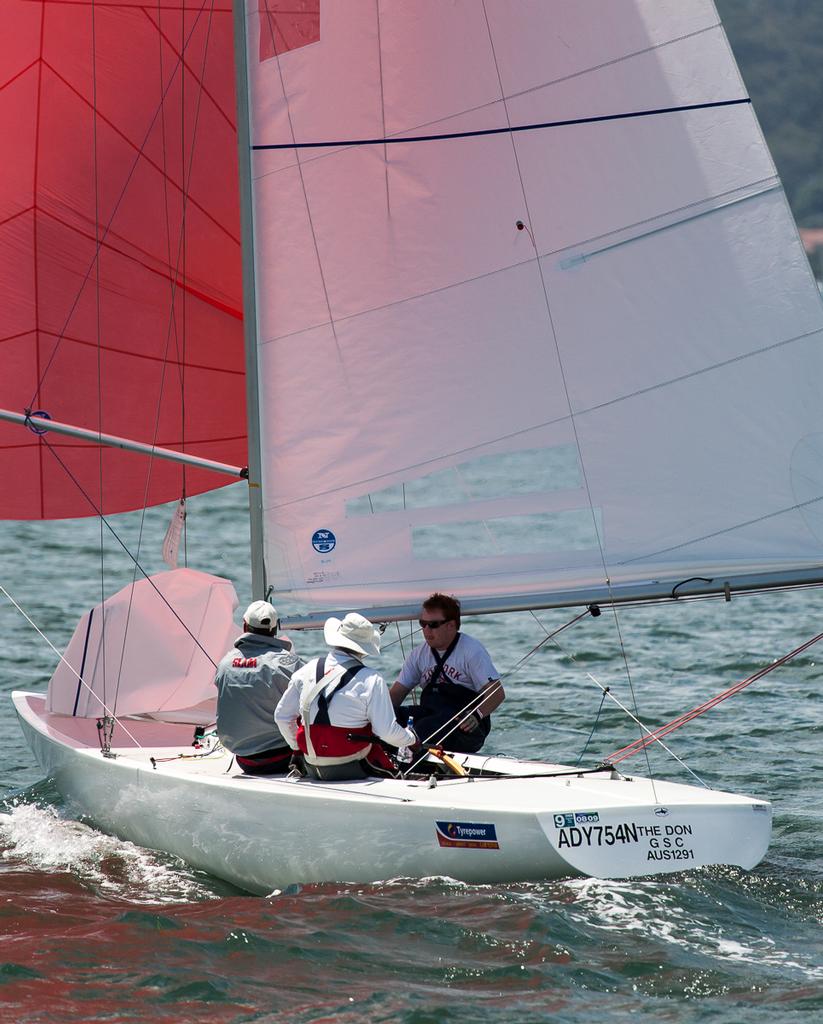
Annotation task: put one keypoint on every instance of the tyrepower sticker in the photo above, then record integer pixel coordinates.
(467, 834)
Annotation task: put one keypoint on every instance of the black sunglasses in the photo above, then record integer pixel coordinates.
(432, 623)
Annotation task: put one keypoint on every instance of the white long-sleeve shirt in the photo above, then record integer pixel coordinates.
(363, 700)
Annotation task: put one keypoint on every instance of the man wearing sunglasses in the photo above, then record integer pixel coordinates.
(460, 687)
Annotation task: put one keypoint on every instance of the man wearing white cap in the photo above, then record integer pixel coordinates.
(335, 707)
(250, 681)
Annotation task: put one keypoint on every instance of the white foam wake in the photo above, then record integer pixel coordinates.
(660, 912)
(40, 838)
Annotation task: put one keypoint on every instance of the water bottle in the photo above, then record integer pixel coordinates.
(404, 754)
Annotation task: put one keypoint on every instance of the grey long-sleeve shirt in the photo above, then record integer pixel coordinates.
(250, 681)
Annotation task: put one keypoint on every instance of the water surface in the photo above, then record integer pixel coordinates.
(96, 929)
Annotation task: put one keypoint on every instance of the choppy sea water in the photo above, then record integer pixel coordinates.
(96, 929)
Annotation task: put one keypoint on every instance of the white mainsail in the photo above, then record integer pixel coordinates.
(559, 364)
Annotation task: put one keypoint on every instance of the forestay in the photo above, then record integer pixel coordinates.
(623, 394)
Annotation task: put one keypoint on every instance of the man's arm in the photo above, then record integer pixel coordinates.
(407, 679)
(397, 692)
(286, 713)
(494, 697)
(381, 716)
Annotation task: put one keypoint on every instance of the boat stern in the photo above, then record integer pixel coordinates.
(661, 838)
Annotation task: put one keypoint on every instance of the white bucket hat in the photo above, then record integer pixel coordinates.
(354, 633)
(260, 615)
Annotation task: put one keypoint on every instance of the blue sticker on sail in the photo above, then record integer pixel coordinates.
(323, 541)
(467, 834)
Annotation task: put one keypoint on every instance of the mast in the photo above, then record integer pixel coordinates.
(258, 569)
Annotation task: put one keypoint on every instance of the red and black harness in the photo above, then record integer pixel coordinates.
(339, 741)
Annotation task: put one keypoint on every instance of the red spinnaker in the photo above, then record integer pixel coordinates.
(120, 285)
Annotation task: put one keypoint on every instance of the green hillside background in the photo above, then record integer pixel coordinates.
(779, 49)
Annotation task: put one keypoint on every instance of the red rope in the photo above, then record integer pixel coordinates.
(687, 716)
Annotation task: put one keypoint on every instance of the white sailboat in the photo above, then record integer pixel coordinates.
(527, 320)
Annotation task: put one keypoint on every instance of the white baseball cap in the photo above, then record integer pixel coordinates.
(260, 615)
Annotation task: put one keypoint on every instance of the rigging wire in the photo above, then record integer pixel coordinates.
(608, 693)
(400, 641)
(553, 337)
(382, 103)
(603, 696)
(95, 268)
(107, 731)
(459, 717)
(182, 264)
(139, 154)
(171, 329)
(109, 712)
(465, 712)
(122, 544)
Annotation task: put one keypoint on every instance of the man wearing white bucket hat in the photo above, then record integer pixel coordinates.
(250, 680)
(335, 707)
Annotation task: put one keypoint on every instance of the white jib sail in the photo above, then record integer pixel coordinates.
(624, 392)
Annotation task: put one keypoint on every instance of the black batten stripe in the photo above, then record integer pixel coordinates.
(80, 676)
(503, 131)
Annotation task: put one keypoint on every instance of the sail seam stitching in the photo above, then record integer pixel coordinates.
(20, 73)
(559, 419)
(553, 338)
(42, 375)
(116, 350)
(20, 213)
(139, 150)
(674, 211)
(763, 186)
(163, 271)
(315, 244)
(513, 96)
(797, 507)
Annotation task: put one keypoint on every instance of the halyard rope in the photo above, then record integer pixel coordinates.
(655, 735)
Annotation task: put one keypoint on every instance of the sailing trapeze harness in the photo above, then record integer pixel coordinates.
(439, 696)
(324, 743)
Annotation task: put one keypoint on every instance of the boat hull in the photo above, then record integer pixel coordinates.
(264, 834)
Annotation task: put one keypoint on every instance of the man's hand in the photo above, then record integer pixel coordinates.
(471, 723)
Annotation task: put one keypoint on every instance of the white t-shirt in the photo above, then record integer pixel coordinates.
(469, 665)
(364, 699)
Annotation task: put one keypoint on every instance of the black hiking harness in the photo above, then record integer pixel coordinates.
(439, 694)
(322, 716)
